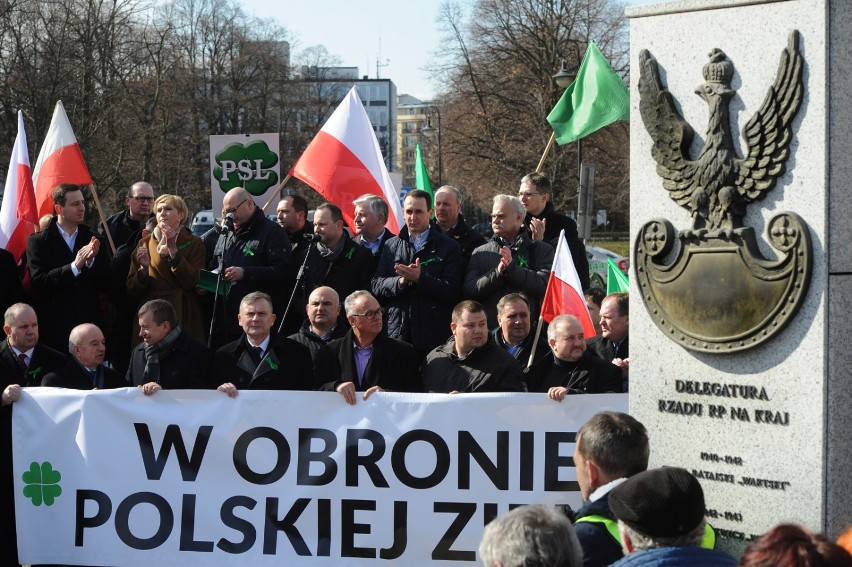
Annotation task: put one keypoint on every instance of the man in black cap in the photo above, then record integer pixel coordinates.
(661, 521)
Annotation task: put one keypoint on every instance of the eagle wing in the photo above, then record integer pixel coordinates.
(768, 133)
(671, 134)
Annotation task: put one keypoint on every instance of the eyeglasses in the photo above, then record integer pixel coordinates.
(142, 199)
(226, 212)
(370, 314)
(521, 195)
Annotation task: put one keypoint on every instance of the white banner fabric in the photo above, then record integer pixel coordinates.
(293, 478)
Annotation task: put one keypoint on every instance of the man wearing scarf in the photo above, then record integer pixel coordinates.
(84, 369)
(167, 358)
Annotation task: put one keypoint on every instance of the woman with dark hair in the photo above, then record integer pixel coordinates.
(789, 545)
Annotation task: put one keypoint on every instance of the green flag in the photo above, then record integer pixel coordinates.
(422, 179)
(615, 279)
(597, 98)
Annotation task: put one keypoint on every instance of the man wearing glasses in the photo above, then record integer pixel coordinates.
(365, 360)
(544, 223)
(125, 224)
(256, 258)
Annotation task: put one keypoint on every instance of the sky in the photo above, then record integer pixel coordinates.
(402, 36)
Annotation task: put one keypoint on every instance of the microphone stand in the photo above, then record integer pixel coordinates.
(229, 238)
(300, 281)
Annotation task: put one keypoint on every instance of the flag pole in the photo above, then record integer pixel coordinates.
(276, 192)
(546, 151)
(103, 219)
(535, 342)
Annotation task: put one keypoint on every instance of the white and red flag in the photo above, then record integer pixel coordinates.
(59, 161)
(18, 214)
(564, 294)
(344, 161)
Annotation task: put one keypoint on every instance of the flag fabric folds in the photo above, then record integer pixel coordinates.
(18, 214)
(344, 161)
(616, 281)
(597, 98)
(59, 161)
(564, 294)
(422, 177)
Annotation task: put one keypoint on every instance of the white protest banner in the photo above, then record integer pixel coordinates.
(244, 160)
(283, 478)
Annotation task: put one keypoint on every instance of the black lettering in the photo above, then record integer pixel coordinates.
(489, 512)
(464, 512)
(282, 453)
(400, 532)
(527, 459)
(287, 524)
(104, 511)
(306, 457)
(553, 461)
(348, 528)
(442, 459)
(172, 438)
(241, 525)
(187, 527)
(323, 527)
(122, 520)
(368, 461)
(498, 473)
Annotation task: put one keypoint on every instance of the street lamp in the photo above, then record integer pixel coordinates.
(563, 78)
(428, 129)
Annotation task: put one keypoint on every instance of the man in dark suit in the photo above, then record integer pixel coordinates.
(68, 266)
(371, 215)
(260, 360)
(84, 369)
(11, 290)
(365, 360)
(612, 345)
(168, 357)
(23, 359)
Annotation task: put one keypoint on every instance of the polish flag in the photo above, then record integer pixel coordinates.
(344, 161)
(18, 215)
(564, 294)
(59, 161)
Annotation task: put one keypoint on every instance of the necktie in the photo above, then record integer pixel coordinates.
(22, 360)
(258, 353)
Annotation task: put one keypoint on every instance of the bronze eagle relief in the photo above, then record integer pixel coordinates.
(718, 293)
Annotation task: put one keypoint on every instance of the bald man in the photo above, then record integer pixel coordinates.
(85, 369)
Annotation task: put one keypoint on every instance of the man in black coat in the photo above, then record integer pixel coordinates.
(167, 358)
(11, 290)
(419, 278)
(260, 360)
(256, 258)
(448, 205)
(292, 214)
(69, 266)
(370, 218)
(323, 323)
(571, 368)
(365, 360)
(613, 344)
(544, 223)
(84, 369)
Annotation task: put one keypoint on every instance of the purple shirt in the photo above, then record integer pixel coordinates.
(362, 358)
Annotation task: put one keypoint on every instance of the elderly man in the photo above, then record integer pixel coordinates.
(470, 362)
(515, 332)
(322, 325)
(256, 257)
(544, 223)
(127, 224)
(510, 262)
(610, 447)
(530, 536)
(419, 278)
(167, 358)
(661, 521)
(365, 360)
(259, 360)
(371, 215)
(612, 345)
(571, 368)
(448, 215)
(23, 359)
(85, 369)
(292, 213)
(69, 267)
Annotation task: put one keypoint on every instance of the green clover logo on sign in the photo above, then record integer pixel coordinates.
(42, 483)
(248, 166)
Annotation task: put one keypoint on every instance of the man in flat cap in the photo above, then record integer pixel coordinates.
(661, 520)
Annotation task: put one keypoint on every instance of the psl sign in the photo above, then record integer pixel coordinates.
(244, 160)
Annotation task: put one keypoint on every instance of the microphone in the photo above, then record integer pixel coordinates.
(228, 223)
(311, 237)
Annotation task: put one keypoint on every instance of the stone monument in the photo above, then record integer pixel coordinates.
(739, 377)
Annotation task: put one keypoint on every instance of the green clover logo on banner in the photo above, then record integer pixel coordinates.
(42, 483)
(248, 166)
